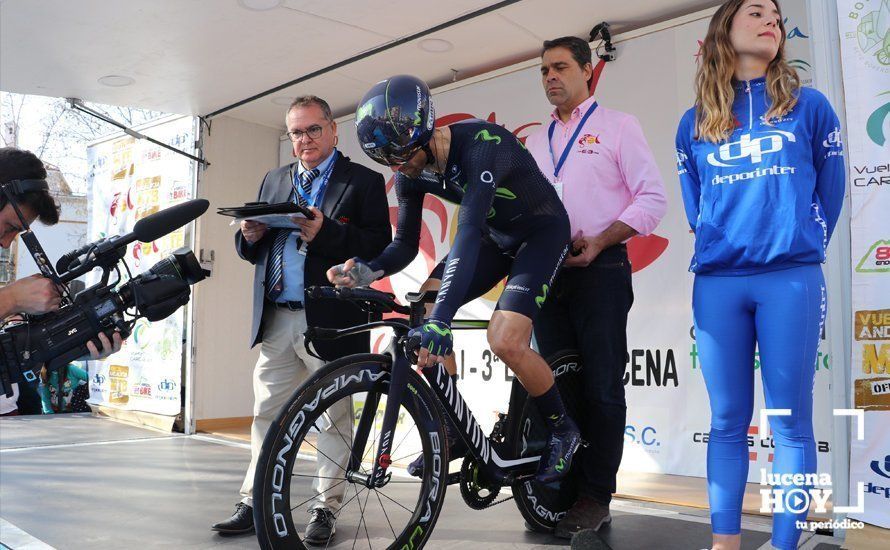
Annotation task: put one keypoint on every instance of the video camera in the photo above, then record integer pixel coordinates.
(53, 339)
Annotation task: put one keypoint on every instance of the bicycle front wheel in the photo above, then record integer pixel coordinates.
(319, 453)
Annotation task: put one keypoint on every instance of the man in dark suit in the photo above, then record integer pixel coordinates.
(351, 219)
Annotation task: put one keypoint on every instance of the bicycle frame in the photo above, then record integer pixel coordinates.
(500, 470)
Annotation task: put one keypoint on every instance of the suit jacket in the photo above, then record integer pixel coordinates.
(356, 223)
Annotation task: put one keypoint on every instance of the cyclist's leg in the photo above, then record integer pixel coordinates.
(553, 326)
(531, 275)
(509, 334)
(492, 266)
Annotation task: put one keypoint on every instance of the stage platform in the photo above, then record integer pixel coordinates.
(79, 481)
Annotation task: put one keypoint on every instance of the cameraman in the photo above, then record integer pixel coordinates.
(35, 294)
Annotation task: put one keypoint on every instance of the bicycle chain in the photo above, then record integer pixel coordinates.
(505, 499)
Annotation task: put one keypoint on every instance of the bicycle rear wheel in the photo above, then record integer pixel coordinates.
(543, 506)
(319, 452)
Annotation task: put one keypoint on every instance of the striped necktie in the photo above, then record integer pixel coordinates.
(306, 179)
(275, 267)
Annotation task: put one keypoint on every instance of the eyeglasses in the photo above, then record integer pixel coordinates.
(313, 132)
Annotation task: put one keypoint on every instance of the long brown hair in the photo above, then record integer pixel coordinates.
(714, 93)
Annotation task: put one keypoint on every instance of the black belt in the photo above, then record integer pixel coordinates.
(293, 306)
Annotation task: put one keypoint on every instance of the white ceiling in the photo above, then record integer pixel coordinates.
(198, 56)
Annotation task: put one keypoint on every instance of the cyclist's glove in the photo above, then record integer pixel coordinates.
(435, 336)
(361, 273)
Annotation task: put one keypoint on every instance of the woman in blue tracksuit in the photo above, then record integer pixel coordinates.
(762, 175)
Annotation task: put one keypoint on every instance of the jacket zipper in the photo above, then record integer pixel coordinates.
(750, 105)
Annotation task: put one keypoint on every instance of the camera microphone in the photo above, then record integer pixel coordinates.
(168, 220)
(145, 230)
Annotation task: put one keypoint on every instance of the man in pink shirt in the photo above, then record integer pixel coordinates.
(604, 171)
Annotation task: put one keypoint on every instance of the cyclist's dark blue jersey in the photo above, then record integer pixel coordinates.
(502, 195)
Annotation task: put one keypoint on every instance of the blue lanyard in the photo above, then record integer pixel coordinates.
(322, 185)
(565, 152)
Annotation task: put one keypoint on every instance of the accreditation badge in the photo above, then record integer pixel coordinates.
(558, 186)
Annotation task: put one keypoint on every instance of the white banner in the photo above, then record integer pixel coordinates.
(865, 53)
(667, 404)
(130, 179)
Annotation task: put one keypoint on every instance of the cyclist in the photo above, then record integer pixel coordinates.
(511, 224)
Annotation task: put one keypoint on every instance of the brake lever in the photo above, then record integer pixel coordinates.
(412, 346)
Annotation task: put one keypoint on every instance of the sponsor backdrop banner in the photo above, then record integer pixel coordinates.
(865, 54)
(667, 414)
(129, 180)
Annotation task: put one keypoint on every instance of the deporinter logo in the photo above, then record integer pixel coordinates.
(754, 174)
(882, 470)
(833, 143)
(748, 150)
(681, 162)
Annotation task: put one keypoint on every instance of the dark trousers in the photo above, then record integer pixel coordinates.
(587, 310)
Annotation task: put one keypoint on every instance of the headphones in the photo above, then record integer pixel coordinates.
(20, 187)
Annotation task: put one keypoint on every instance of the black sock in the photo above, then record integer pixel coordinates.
(551, 408)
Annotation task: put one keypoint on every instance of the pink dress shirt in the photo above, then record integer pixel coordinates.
(609, 174)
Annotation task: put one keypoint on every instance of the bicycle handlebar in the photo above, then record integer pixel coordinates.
(373, 301)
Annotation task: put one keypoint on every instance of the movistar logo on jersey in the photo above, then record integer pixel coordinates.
(504, 193)
(750, 150)
(484, 135)
(543, 297)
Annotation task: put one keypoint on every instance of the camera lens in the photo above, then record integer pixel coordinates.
(183, 264)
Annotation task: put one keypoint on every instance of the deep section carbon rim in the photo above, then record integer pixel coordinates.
(320, 451)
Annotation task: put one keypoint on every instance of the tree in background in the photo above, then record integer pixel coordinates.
(59, 135)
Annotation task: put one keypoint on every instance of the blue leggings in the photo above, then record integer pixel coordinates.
(783, 312)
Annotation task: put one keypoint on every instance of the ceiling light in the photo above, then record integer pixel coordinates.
(435, 45)
(260, 5)
(283, 100)
(116, 80)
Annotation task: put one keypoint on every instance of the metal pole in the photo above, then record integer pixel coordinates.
(78, 105)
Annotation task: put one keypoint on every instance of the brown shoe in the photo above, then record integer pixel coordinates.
(586, 513)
